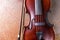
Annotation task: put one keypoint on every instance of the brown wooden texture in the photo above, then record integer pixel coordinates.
(9, 31)
(30, 34)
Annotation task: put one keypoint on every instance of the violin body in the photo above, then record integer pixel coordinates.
(38, 28)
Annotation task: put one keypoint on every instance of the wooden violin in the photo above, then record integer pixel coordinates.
(39, 28)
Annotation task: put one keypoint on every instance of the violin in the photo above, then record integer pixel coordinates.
(39, 27)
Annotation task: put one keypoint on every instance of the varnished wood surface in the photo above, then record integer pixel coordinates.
(9, 26)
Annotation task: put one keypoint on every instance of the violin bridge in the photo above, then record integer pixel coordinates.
(39, 23)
